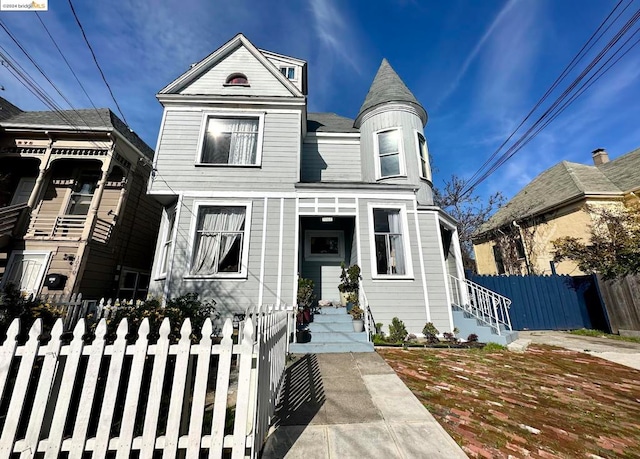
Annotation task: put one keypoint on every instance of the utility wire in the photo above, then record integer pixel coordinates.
(583, 51)
(552, 112)
(95, 59)
(69, 65)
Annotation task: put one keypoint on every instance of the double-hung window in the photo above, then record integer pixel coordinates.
(219, 243)
(389, 153)
(230, 140)
(389, 242)
(425, 171)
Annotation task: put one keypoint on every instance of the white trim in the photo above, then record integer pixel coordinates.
(406, 241)
(317, 141)
(166, 290)
(199, 100)
(299, 152)
(212, 108)
(157, 150)
(308, 256)
(193, 227)
(158, 274)
(460, 266)
(423, 271)
(358, 234)
(280, 251)
(289, 194)
(355, 135)
(417, 135)
(207, 114)
(401, 159)
(25, 254)
(445, 277)
(263, 251)
(296, 259)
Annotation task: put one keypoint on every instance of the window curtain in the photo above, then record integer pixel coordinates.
(243, 141)
(396, 249)
(211, 242)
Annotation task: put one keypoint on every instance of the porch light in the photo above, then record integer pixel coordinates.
(327, 219)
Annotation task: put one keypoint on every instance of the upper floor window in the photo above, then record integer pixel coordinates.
(425, 171)
(232, 141)
(83, 194)
(289, 72)
(389, 151)
(220, 243)
(237, 79)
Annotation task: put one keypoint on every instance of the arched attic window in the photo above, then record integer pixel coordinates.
(237, 79)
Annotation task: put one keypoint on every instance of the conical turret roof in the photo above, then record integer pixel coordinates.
(388, 87)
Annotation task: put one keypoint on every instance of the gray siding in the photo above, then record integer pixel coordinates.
(409, 123)
(261, 81)
(178, 152)
(436, 278)
(330, 162)
(393, 298)
(236, 295)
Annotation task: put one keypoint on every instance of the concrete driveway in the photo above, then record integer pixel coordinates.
(622, 352)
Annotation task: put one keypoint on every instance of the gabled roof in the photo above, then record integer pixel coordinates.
(329, 122)
(212, 59)
(567, 181)
(388, 87)
(7, 109)
(101, 119)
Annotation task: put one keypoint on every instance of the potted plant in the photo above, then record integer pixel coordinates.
(349, 282)
(358, 321)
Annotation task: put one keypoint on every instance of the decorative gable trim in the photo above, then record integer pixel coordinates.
(212, 59)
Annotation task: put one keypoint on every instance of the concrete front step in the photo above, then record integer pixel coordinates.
(468, 324)
(326, 348)
(332, 331)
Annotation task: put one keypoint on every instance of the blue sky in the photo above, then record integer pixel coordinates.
(476, 66)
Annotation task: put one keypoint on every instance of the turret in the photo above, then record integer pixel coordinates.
(393, 145)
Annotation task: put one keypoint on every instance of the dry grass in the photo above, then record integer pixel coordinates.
(547, 402)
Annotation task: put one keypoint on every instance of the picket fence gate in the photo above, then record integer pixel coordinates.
(114, 399)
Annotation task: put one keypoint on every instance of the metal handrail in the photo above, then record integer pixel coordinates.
(484, 304)
(368, 315)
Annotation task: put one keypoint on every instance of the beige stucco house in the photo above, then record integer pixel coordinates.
(517, 239)
(74, 214)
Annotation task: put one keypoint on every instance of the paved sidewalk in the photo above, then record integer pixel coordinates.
(622, 352)
(353, 406)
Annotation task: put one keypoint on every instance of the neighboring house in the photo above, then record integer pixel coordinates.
(74, 214)
(517, 238)
(257, 191)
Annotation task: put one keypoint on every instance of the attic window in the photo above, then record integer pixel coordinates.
(237, 79)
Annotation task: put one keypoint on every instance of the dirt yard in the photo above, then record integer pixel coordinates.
(545, 403)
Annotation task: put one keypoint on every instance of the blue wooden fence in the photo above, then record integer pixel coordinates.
(549, 302)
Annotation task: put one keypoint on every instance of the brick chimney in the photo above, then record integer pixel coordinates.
(600, 156)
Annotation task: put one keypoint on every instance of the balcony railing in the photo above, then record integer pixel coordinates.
(68, 227)
(9, 218)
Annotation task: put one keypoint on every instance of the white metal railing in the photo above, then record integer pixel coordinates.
(484, 304)
(368, 315)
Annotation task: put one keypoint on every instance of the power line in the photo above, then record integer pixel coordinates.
(568, 96)
(95, 59)
(68, 65)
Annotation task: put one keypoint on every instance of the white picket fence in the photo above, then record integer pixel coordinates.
(122, 398)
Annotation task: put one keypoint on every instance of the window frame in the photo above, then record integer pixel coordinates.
(401, 160)
(230, 115)
(244, 258)
(287, 67)
(136, 288)
(406, 242)
(423, 163)
(166, 244)
(309, 256)
(25, 253)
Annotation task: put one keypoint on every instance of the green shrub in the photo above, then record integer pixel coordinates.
(397, 331)
(494, 347)
(430, 333)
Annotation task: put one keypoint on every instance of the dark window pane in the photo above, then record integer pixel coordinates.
(230, 251)
(389, 165)
(129, 280)
(381, 220)
(381, 254)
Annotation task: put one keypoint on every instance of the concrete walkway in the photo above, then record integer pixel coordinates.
(622, 352)
(344, 406)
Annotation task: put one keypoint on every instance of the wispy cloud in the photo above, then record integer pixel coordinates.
(476, 50)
